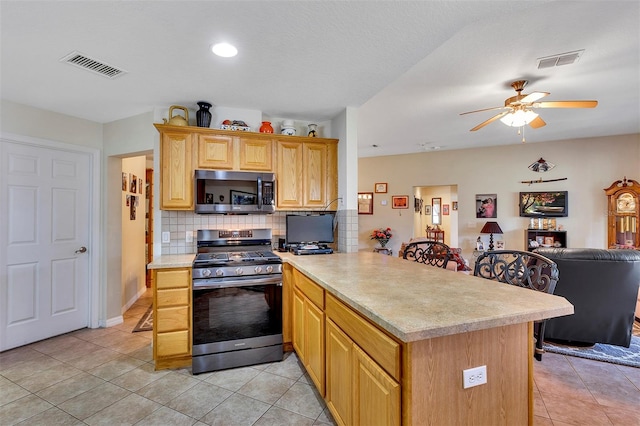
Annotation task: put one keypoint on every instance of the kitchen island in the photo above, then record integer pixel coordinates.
(386, 340)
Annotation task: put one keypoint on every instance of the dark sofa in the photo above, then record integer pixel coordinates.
(603, 286)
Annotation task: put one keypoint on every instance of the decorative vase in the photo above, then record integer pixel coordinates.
(203, 116)
(383, 242)
(266, 127)
(312, 130)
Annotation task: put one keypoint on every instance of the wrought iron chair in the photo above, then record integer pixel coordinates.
(432, 253)
(524, 269)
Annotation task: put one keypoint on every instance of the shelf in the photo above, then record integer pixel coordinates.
(544, 237)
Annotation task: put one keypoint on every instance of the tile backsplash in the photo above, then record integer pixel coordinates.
(178, 223)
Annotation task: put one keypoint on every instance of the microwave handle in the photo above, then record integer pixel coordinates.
(259, 192)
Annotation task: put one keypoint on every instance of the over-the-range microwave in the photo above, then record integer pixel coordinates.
(231, 192)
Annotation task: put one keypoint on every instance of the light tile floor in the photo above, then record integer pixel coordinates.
(106, 376)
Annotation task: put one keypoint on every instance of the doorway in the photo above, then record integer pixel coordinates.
(447, 219)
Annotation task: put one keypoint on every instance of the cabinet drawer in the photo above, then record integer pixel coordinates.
(172, 319)
(173, 278)
(313, 291)
(384, 350)
(174, 343)
(172, 297)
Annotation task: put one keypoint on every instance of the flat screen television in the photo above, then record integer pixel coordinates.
(544, 204)
(309, 228)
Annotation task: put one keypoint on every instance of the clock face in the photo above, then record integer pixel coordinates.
(626, 203)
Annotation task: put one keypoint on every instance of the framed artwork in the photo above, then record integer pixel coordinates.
(540, 240)
(125, 181)
(400, 202)
(139, 186)
(543, 204)
(365, 202)
(445, 209)
(436, 214)
(417, 205)
(480, 246)
(548, 241)
(500, 245)
(427, 210)
(454, 205)
(242, 198)
(134, 184)
(486, 205)
(381, 188)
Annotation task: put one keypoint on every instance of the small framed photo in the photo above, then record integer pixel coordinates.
(500, 245)
(540, 240)
(548, 241)
(400, 202)
(427, 210)
(365, 202)
(381, 188)
(486, 206)
(445, 209)
(480, 246)
(454, 205)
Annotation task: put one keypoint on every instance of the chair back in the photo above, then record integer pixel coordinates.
(432, 253)
(521, 268)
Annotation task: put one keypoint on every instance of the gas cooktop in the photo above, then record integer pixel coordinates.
(235, 256)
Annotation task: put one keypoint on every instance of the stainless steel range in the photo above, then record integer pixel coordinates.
(237, 300)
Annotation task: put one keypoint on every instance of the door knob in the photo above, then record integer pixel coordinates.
(82, 249)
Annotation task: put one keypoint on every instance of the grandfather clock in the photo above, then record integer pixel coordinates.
(624, 214)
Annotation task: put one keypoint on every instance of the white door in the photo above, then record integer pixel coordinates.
(44, 265)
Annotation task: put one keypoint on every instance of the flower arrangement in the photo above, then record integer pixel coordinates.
(381, 235)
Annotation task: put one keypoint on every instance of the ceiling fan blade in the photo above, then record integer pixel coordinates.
(537, 122)
(491, 120)
(480, 110)
(566, 104)
(532, 97)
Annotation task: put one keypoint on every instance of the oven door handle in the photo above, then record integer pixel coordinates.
(213, 284)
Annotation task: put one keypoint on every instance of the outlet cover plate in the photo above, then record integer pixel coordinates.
(474, 376)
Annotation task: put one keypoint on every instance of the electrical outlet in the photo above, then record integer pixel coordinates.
(474, 376)
(166, 237)
(189, 236)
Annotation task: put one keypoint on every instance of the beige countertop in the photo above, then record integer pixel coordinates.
(171, 261)
(415, 302)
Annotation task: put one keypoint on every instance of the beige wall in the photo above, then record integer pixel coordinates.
(133, 244)
(588, 164)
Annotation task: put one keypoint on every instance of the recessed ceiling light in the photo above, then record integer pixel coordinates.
(224, 49)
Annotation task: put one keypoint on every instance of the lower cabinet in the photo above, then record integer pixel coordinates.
(172, 318)
(308, 336)
(354, 365)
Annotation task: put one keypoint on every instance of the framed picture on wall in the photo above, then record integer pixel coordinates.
(381, 188)
(454, 205)
(365, 202)
(486, 206)
(445, 209)
(427, 210)
(400, 202)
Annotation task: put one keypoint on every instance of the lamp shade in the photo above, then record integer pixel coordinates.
(491, 228)
(519, 118)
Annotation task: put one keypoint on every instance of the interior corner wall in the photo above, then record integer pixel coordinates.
(133, 209)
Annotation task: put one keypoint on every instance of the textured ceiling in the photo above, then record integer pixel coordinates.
(409, 67)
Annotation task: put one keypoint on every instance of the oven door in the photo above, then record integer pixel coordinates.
(237, 314)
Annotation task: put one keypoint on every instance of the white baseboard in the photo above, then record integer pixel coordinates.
(114, 321)
(134, 299)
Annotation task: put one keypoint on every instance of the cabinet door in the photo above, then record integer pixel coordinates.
(289, 174)
(339, 373)
(176, 184)
(215, 152)
(314, 343)
(376, 396)
(315, 174)
(255, 154)
(298, 325)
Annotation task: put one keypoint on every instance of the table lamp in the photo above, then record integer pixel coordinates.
(491, 228)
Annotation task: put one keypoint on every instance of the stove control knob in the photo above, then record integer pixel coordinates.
(258, 269)
(239, 271)
(219, 272)
(269, 269)
(206, 272)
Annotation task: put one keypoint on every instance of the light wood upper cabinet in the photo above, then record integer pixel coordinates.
(307, 173)
(255, 154)
(215, 152)
(176, 165)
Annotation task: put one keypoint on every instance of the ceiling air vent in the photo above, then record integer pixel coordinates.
(561, 59)
(90, 64)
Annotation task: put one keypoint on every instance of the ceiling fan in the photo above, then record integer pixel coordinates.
(518, 110)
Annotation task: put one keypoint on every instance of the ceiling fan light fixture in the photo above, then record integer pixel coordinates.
(519, 118)
(224, 50)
